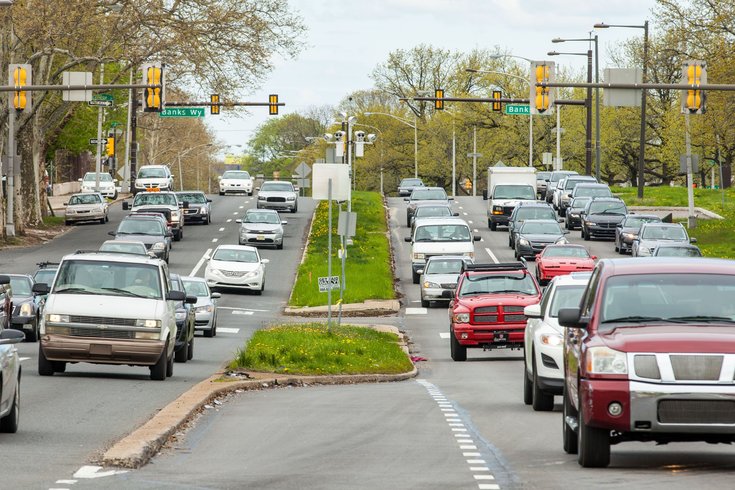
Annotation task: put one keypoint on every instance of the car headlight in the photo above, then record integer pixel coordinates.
(630, 236)
(251, 274)
(590, 223)
(523, 242)
(53, 318)
(561, 241)
(26, 309)
(204, 309)
(71, 211)
(551, 339)
(148, 323)
(158, 246)
(428, 284)
(203, 210)
(603, 360)
(418, 256)
(497, 209)
(247, 230)
(461, 318)
(261, 198)
(181, 315)
(291, 198)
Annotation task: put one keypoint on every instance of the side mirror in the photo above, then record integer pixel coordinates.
(215, 295)
(566, 232)
(594, 257)
(264, 261)
(406, 199)
(66, 204)
(176, 296)
(79, 180)
(538, 256)
(112, 233)
(40, 288)
(484, 195)
(209, 200)
(560, 220)
(126, 206)
(10, 336)
(570, 317)
(477, 238)
(169, 234)
(532, 311)
(420, 271)
(4, 280)
(190, 300)
(219, 177)
(407, 239)
(692, 240)
(455, 214)
(257, 188)
(238, 220)
(450, 199)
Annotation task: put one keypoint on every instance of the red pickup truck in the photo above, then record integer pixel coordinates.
(649, 355)
(486, 310)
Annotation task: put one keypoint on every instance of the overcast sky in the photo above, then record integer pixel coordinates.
(346, 39)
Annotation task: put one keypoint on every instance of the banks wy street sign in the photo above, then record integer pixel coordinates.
(182, 112)
(517, 110)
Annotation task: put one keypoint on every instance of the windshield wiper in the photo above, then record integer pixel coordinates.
(701, 318)
(636, 319)
(511, 291)
(608, 211)
(124, 292)
(72, 290)
(474, 293)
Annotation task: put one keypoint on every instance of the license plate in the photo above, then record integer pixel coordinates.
(500, 337)
(260, 237)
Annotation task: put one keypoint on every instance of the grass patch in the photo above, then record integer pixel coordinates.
(368, 269)
(310, 349)
(52, 221)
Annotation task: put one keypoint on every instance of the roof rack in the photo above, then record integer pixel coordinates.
(506, 266)
(46, 263)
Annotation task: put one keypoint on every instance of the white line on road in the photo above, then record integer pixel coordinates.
(201, 261)
(444, 335)
(235, 213)
(94, 472)
(492, 256)
(469, 221)
(228, 330)
(476, 230)
(233, 308)
(222, 229)
(416, 311)
(241, 207)
(464, 214)
(21, 359)
(488, 486)
(476, 461)
(229, 220)
(240, 312)
(66, 482)
(215, 240)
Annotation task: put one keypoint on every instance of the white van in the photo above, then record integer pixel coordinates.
(439, 236)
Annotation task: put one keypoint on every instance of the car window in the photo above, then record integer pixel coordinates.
(566, 297)
(123, 247)
(543, 175)
(580, 202)
(443, 233)
(21, 286)
(476, 284)
(576, 252)
(663, 233)
(540, 228)
(572, 183)
(193, 197)
(637, 222)
(108, 278)
(678, 252)
(528, 212)
(588, 301)
(234, 255)
(197, 288)
(236, 174)
(85, 199)
(151, 173)
(592, 191)
(411, 182)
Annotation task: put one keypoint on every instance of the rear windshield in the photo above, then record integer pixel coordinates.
(108, 278)
(572, 183)
(636, 222)
(140, 227)
(443, 233)
(664, 233)
(476, 284)
(197, 288)
(148, 173)
(411, 183)
(514, 192)
(428, 195)
(131, 248)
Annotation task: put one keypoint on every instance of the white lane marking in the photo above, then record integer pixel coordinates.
(234, 308)
(476, 230)
(460, 207)
(469, 221)
(468, 446)
(464, 214)
(201, 261)
(21, 359)
(416, 311)
(66, 482)
(484, 477)
(215, 240)
(454, 429)
(241, 207)
(54, 488)
(241, 312)
(229, 220)
(492, 256)
(228, 330)
(222, 229)
(476, 461)
(479, 468)
(464, 441)
(444, 335)
(467, 455)
(488, 486)
(235, 213)
(94, 472)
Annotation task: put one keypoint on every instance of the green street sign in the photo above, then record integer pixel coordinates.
(182, 112)
(517, 110)
(102, 97)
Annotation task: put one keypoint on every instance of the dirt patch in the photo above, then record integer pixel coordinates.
(33, 236)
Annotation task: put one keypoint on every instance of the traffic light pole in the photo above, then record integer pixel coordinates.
(98, 161)
(10, 219)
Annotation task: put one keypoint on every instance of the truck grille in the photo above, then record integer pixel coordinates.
(486, 309)
(696, 368)
(102, 334)
(102, 320)
(696, 412)
(490, 314)
(515, 318)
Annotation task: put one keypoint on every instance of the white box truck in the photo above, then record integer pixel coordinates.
(506, 187)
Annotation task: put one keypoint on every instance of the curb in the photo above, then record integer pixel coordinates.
(697, 210)
(365, 309)
(139, 447)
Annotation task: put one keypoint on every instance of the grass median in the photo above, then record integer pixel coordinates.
(312, 349)
(368, 268)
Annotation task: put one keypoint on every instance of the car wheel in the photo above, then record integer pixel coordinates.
(262, 288)
(67, 223)
(250, 193)
(408, 221)
(102, 221)
(114, 196)
(214, 325)
(458, 351)
(527, 388)
(542, 402)
(569, 437)
(593, 444)
(209, 332)
(59, 366)
(32, 336)
(587, 236)
(617, 249)
(493, 226)
(221, 193)
(9, 423)
(516, 255)
(296, 208)
(158, 370)
(280, 246)
(510, 242)
(45, 367)
(425, 303)
(190, 350)
(170, 367)
(182, 354)
(415, 277)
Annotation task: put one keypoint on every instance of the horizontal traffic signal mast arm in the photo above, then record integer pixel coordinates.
(222, 104)
(647, 86)
(489, 99)
(91, 88)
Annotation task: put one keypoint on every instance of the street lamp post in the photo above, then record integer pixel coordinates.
(415, 137)
(588, 106)
(642, 149)
(598, 150)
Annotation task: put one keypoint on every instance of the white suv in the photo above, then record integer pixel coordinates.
(154, 176)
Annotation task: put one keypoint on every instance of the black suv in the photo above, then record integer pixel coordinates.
(524, 211)
(601, 216)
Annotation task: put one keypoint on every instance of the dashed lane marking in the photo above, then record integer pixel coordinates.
(215, 240)
(201, 262)
(235, 213)
(21, 359)
(469, 221)
(476, 230)
(241, 312)
(234, 308)
(94, 472)
(222, 229)
(229, 220)
(416, 311)
(492, 255)
(444, 335)
(241, 207)
(227, 330)
(464, 214)
(66, 482)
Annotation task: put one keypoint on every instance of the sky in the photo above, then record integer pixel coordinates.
(347, 39)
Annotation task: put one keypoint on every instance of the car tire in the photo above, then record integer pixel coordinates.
(262, 288)
(425, 303)
(542, 402)
(45, 367)
(457, 350)
(59, 366)
(593, 444)
(250, 193)
(279, 246)
(510, 242)
(221, 193)
(114, 196)
(408, 221)
(170, 367)
(9, 423)
(516, 255)
(182, 354)
(569, 437)
(587, 237)
(527, 388)
(617, 249)
(415, 276)
(209, 332)
(158, 370)
(67, 223)
(32, 336)
(102, 221)
(493, 225)
(296, 208)
(190, 350)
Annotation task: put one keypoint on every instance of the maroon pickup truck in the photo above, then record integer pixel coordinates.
(649, 355)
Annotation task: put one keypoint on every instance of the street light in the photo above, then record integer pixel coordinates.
(598, 150)
(415, 137)
(530, 115)
(588, 105)
(641, 152)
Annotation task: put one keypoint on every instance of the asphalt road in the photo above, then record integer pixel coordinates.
(458, 425)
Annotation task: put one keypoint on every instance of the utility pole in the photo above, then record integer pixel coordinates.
(9, 219)
(126, 172)
(692, 219)
(588, 129)
(100, 110)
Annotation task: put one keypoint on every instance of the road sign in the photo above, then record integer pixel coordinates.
(303, 170)
(103, 97)
(346, 224)
(327, 283)
(517, 109)
(94, 141)
(100, 103)
(77, 78)
(182, 112)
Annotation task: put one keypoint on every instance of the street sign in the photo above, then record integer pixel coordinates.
(182, 112)
(303, 170)
(327, 283)
(94, 141)
(77, 78)
(103, 97)
(683, 164)
(100, 103)
(517, 110)
(347, 224)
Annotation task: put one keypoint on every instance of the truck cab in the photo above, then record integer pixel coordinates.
(506, 188)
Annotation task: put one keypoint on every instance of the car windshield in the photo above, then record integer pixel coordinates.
(433, 211)
(678, 252)
(570, 184)
(607, 207)
(45, 276)
(565, 297)
(256, 217)
(154, 199)
(449, 266)
(197, 288)
(592, 191)
(561, 251)
(543, 175)
(663, 233)
(667, 298)
(557, 176)
(580, 202)
(428, 195)
(130, 248)
(92, 177)
(235, 255)
(476, 284)
(236, 174)
(85, 199)
(533, 212)
(531, 228)
(192, 197)
(151, 173)
(108, 278)
(443, 233)
(140, 227)
(277, 187)
(514, 192)
(20, 285)
(637, 222)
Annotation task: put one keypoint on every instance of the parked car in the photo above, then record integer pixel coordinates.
(86, 207)
(10, 369)
(525, 211)
(185, 318)
(554, 179)
(195, 206)
(559, 260)
(543, 340)
(676, 250)
(406, 187)
(236, 181)
(153, 177)
(107, 186)
(278, 195)
(535, 234)
(486, 310)
(205, 308)
(627, 230)
(439, 277)
(648, 356)
(435, 195)
(150, 229)
(261, 227)
(572, 217)
(601, 216)
(236, 267)
(654, 234)
(125, 246)
(26, 306)
(164, 203)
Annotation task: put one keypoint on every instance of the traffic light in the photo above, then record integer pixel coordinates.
(497, 106)
(694, 72)
(110, 147)
(273, 105)
(542, 98)
(20, 76)
(214, 108)
(153, 98)
(439, 102)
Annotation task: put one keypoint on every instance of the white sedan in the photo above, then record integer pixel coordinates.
(236, 181)
(9, 367)
(86, 207)
(544, 340)
(236, 267)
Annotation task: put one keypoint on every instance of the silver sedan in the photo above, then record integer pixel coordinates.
(205, 308)
(89, 206)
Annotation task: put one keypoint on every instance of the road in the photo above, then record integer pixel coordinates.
(457, 425)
